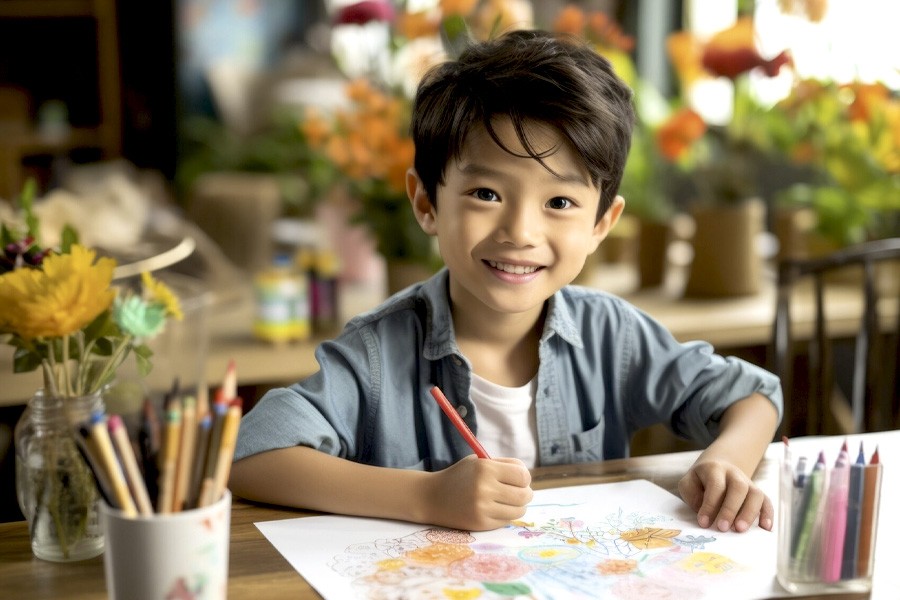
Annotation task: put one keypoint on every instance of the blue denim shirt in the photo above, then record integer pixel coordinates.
(606, 370)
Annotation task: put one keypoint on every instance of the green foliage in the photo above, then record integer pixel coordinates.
(392, 222)
(280, 149)
(854, 196)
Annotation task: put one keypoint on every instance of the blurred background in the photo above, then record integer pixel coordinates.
(792, 102)
(257, 149)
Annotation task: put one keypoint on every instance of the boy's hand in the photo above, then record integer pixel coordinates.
(724, 497)
(478, 494)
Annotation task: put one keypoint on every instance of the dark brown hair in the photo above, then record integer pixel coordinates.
(526, 76)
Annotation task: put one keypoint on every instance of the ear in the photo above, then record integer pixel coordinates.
(426, 214)
(608, 220)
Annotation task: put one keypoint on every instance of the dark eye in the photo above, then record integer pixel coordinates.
(559, 203)
(485, 194)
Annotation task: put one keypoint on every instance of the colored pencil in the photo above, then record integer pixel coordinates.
(809, 510)
(168, 458)
(835, 523)
(125, 454)
(82, 442)
(220, 408)
(185, 453)
(107, 458)
(201, 449)
(458, 422)
(869, 515)
(225, 452)
(854, 506)
(229, 383)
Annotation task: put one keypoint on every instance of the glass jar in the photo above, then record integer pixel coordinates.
(55, 487)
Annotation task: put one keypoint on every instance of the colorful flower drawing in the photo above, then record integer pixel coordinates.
(630, 554)
(626, 540)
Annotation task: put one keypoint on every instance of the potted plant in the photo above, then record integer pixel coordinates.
(719, 161)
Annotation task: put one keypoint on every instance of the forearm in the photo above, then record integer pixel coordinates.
(746, 429)
(305, 478)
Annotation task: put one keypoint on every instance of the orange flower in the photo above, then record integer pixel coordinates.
(617, 566)
(646, 538)
(686, 52)
(416, 25)
(571, 19)
(359, 90)
(868, 100)
(457, 7)
(314, 128)
(679, 132)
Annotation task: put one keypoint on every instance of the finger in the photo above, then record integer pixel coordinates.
(750, 510)
(714, 492)
(691, 490)
(767, 514)
(513, 472)
(731, 505)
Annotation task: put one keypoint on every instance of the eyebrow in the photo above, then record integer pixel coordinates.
(476, 169)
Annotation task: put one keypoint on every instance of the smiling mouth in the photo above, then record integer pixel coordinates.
(514, 269)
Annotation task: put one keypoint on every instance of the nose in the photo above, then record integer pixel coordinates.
(519, 226)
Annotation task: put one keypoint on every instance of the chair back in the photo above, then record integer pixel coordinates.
(851, 354)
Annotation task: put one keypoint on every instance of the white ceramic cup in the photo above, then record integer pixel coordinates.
(183, 554)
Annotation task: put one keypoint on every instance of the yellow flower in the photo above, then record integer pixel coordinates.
(160, 293)
(69, 293)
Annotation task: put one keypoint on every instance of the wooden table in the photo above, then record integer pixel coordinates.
(257, 570)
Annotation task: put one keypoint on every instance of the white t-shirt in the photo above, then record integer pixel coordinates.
(507, 425)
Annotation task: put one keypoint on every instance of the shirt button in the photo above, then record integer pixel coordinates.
(462, 410)
(457, 361)
(554, 449)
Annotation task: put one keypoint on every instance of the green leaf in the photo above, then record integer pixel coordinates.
(26, 201)
(508, 589)
(69, 237)
(25, 360)
(455, 35)
(103, 347)
(102, 326)
(6, 235)
(142, 354)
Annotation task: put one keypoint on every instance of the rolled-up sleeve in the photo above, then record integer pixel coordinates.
(686, 384)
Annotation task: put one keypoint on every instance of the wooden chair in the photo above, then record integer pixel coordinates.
(860, 390)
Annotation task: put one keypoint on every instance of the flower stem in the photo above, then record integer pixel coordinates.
(114, 361)
(50, 370)
(65, 357)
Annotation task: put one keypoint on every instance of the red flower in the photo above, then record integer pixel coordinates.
(360, 13)
(731, 63)
(732, 51)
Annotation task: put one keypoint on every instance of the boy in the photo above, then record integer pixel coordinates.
(520, 146)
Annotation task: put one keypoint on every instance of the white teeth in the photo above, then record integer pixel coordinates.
(516, 269)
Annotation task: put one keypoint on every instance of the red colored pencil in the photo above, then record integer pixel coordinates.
(458, 423)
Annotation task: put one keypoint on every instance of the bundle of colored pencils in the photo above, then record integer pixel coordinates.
(834, 514)
(185, 458)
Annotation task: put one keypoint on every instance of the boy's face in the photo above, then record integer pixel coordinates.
(511, 232)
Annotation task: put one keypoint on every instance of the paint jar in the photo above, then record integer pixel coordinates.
(827, 521)
(282, 302)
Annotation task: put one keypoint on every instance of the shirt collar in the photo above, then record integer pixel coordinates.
(440, 338)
